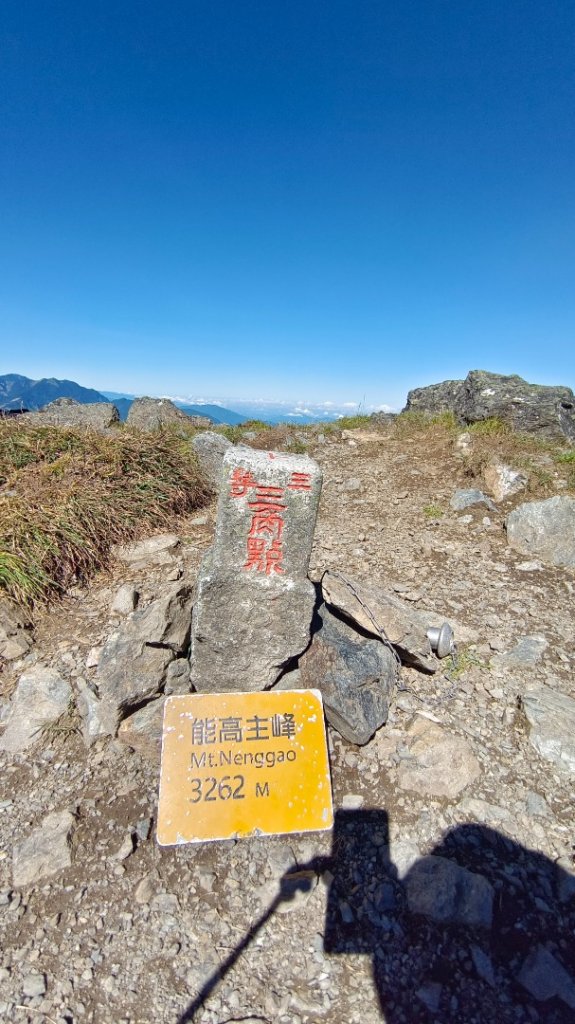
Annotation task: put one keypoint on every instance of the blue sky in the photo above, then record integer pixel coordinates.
(304, 201)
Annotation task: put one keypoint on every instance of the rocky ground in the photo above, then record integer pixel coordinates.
(446, 891)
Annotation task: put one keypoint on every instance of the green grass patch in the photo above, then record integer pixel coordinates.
(432, 511)
(69, 496)
(568, 457)
(353, 422)
(491, 427)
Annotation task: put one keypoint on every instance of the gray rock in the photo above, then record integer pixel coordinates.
(383, 615)
(134, 661)
(66, 412)
(502, 481)
(178, 677)
(154, 413)
(158, 550)
(430, 995)
(436, 762)
(483, 965)
(40, 698)
(439, 889)
(545, 978)
(254, 602)
(527, 652)
(125, 600)
(130, 672)
(530, 408)
(466, 498)
(45, 851)
(356, 677)
(34, 985)
(167, 620)
(96, 720)
(15, 640)
(545, 529)
(244, 631)
(143, 730)
(210, 449)
(551, 718)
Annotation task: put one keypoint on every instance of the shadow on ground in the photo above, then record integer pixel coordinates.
(480, 931)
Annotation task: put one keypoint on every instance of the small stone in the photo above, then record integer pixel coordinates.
(430, 995)
(502, 481)
(483, 965)
(126, 848)
(551, 718)
(545, 529)
(352, 802)
(145, 890)
(40, 699)
(438, 763)
(465, 498)
(45, 852)
(125, 600)
(439, 889)
(93, 657)
(545, 978)
(34, 985)
(143, 829)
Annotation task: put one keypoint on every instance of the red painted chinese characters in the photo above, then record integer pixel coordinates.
(264, 540)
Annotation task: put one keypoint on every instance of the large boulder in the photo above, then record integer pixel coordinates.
(545, 530)
(155, 413)
(529, 408)
(66, 412)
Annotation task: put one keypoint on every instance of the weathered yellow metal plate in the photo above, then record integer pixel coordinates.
(243, 764)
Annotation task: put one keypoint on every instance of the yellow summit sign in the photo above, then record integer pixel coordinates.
(243, 764)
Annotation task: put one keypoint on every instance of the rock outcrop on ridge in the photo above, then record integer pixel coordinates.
(529, 408)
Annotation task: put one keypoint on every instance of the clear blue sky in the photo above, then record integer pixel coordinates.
(305, 200)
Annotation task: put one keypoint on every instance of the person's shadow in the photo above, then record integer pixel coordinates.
(480, 931)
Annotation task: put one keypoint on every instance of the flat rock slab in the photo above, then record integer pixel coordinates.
(158, 550)
(435, 762)
(254, 602)
(527, 652)
(45, 851)
(545, 530)
(40, 698)
(467, 498)
(551, 718)
(381, 614)
(356, 676)
(444, 892)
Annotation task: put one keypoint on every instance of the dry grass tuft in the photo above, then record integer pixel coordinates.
(67, 496)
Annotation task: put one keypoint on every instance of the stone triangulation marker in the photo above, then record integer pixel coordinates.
(254, 602)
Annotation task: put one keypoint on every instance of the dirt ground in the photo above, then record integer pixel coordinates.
(173, 935)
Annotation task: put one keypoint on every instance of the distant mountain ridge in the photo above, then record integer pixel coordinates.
(19, 392)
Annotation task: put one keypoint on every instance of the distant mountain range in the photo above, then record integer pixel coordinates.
(18, 392)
